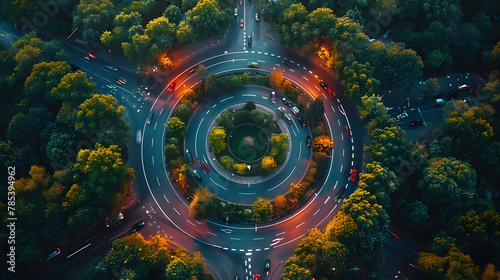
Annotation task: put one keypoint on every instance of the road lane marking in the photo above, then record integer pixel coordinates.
(166, 199)
(157, 180)
(207, 112)
(191, 223)
(226, 99)
(78, 250)
(283, 180)
(262, 61)
(258, 238)
(152, 142)
(266, 53)
(217, 184)
(234, 238)
(246, 193)
(161, 111)
(300, 225)
(343, 154)
(281, 233)
(248, 94)
(316, 212)
(352, 155)
(154, 128)
(338, 121)
(211, 233)
(153, 159)
(342, 166)
(305, 78)
(176, 211)
(328, 198)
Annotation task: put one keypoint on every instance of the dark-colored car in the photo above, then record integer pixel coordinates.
(267, 267)
(114, 220)
(327, 88)
(354, 175)
(249, 41)
(387, 34)
(416, 122)
(340, 194)
(308, 141)
(301, 119)
(53, 254)
(150, 117)
(137, 226)
(452, 94)
(286, 62)
(189, 157)
(197, 175)
(171, 87)
(121, 81)
(287, 101)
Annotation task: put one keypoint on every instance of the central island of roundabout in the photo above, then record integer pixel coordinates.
(245, 151)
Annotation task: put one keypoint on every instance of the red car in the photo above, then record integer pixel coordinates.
(204, 165)
(171, 87)
(330, 92)
(354, 175)
(347, 132)
(91, 55)
(241, 23)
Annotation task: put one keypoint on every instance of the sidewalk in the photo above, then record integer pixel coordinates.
(265, 26)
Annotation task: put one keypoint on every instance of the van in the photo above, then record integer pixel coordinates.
(114, 220)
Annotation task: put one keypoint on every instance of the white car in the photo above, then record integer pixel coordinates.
(281, 109)
(235, 12)
(295, 110)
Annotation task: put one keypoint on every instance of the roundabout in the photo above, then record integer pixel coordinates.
(248, 143)
(274, 239)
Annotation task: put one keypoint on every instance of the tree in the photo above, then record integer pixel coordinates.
(371, 105)
(240, 168)
(183, 112)
(185, 33)
(93, 17)
(227, 162)
(217, 139)
(276, 79)
(279, 203)
(315, 112)
(161, 32)
(203, 205)
(268, 163)
(359, 80)
(249, 106)
(173, 13)
(207, 18)
(262, 209)
(171, 151)
(417, 214)
(226, 119)
(293, 272)
(244, 79)
(455, 265)
(323, 143)
(44, 77)
(449, 186)
(380, 182)
(176, 127)
(185, 266)
(472, 130)
(211, 85)
(74, 88)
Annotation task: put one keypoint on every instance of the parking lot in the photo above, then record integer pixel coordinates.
(423, 121)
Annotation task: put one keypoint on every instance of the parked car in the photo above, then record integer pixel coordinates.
(295, 111)
(197, 175)
(281, 109)
(308, 141)
(189, 157)
(171, 87)
(438, 101)
(137, 226)
(464, 87)
(416, 122)
(387, 34)
(354, 175)
(287, 101)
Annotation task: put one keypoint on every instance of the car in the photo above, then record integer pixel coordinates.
(323, 84)
(74, 67)
(438, 101)
(308, 141)
(301, 119)
(189, 157)
(249, 41)
(253, 64)
(340, 194)
(111, 67)
(372, 40)
(330, 92)
(257, 17)
(204, 165)
(288, 117)
(197, 175)
(295, 111)
(416, 122)
(354, 175)
(171, 87)
(137, 227)
(272, 95)
(235, 12)
(86, 57)
(473, 90)
(347, 132)
(114, 220)
(287, 101)
(241, 22)
(121, 81)
(281, 109)
(387, 34)
(286, 62)
(53, 254)
(91, 55)
(267, 267)
(452, 94)
(464, 87)
(150, 117)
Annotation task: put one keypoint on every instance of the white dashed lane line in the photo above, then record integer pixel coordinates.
(153, 159)
(176, 211)
(316, 212)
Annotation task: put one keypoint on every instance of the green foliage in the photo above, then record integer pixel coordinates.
(226, 119)
(92, 17)
(207, 18)
(217, 139)
(227, 162)
(249, 106)
(358, 80)
(173, 13)
(371, 105)
(417, 214)
(176, 128)
(171, 151)
(262, 209)
(203, 205)
(183, 112)
(244, 79)
(315, 112)
(240, 168)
